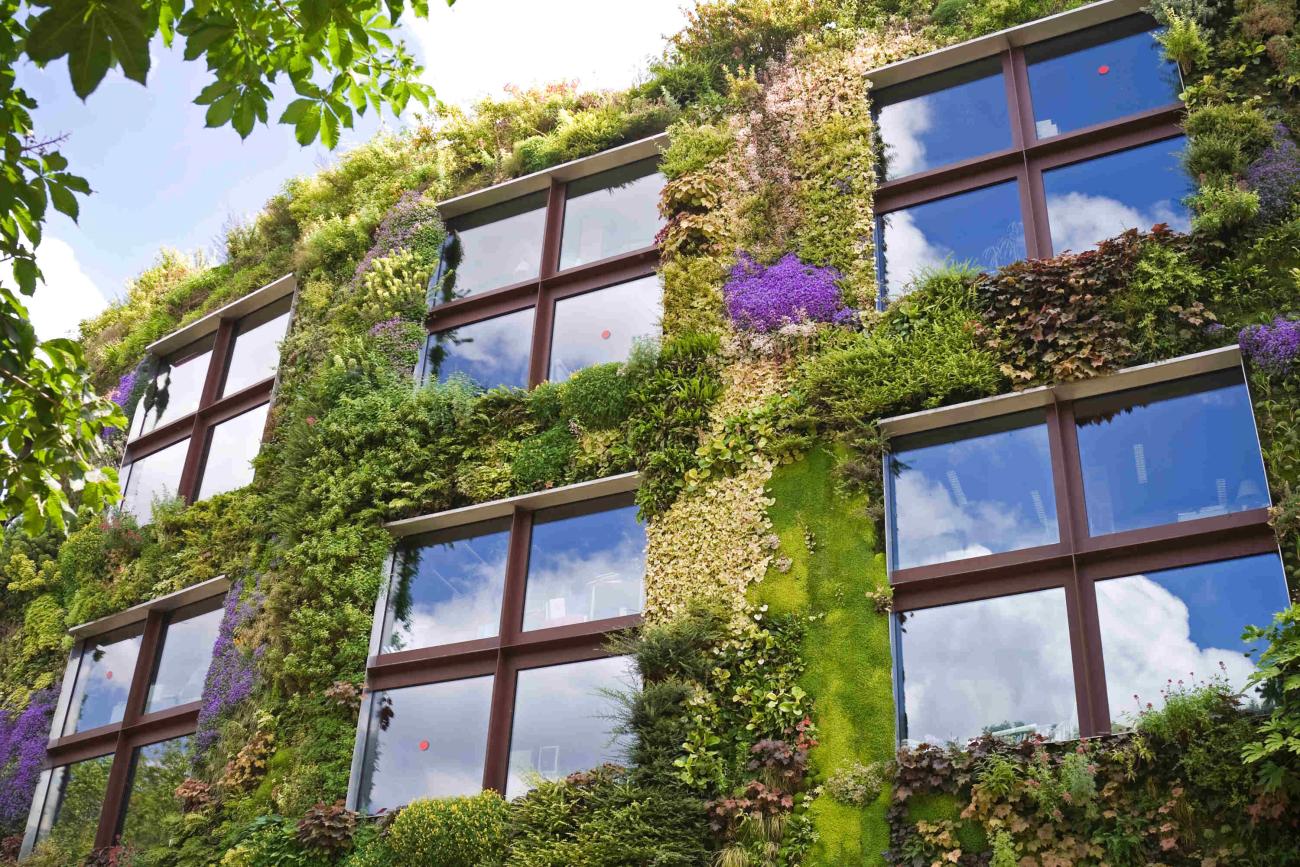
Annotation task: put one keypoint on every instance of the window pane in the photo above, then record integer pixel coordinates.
(183, 663)
(231, 448)
(1001, 666)
(153, 478)
(563, 720)
(602, 326)
(971, 490)
(611, 213)
(500, 245)
(1171, 452)
(584, 567)
(981, 227)
(70, 815)
(489, 354)
(944, 118)
(426, 742)
(1183, 625)
(255, 354)
(103, 680)
(177, 386)
(152, 808)
(1098, 199)
(1097, 75)
(448, 587)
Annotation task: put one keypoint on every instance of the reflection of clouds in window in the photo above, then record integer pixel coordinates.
(1001, 664)
(1080, 220)
(183, 666)
(490, 353)
(233, 446)
(981, 228)
(453, 595)
(601, 326)
(103, 681)
(153, 478)
(908, 251)
(573, 586)
(901, 127)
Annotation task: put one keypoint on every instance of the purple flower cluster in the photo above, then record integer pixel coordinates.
(765, 297)
(23, 735)
(121, 395)
(408, 222)
(1273, 348)
(1275, 175)
(233, 672)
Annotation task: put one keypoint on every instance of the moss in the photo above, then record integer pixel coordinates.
(942, 807)
(847, 647)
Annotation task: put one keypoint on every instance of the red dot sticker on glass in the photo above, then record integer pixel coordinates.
(424, 745)
(1103, 69)
(606, 334)
(108, 675)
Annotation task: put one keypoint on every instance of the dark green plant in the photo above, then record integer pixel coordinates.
(544, 460)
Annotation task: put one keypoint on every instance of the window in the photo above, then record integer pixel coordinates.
(550, 282)
(1060, 555)
(1048, 147)
(131, 695)
(208, 403)
(488, 667)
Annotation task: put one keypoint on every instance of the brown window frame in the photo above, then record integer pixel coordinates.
(136, 728)
(1028, 157)
(1078, 560)
(540, 293)
(213, 408)
(512, 649)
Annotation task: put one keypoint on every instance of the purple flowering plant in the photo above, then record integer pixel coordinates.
(125, 394)
(23, 735)
(233, 671)
(1275, 175)
(765, 297)
(1273, 348)
(411, 223)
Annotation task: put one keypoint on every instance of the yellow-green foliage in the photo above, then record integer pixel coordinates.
(450, 832)
(941, 809)
(396, 282)
(835, 560)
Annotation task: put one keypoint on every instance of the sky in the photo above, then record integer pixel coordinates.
(161, 179)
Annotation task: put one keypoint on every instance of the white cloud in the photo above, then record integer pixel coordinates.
(1080, 220)
(909, 252)
(901, 128)
(66, 297)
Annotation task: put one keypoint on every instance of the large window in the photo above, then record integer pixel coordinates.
(119, 740)
(546, 284)
(1060, 557)
(488, 667)
(1049, 147)
(200, 423)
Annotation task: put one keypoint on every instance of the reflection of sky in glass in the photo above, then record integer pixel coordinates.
(563, 722)
(103, 681)
(966, 118)
(982, 227)
(611, 213)
(70, 815)
(1075, 83)
(426, 742)
(153, 477)
(1098, 199)
(1001, 665)
(583, 568)
(989, 492)
(489, 353)
(179, 388)
(501, 245)
(233, 446)
(1182, 452)
(186, 653)
(256, 352)
(156, 771)
(601, 326)
(450, 591)
(1183, 625)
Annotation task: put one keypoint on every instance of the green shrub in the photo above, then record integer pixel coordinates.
(693, 147)
(1224, 139)
(450, 832)
(598, 397)
(1222, 208)
(543, 460)
(1183, 42)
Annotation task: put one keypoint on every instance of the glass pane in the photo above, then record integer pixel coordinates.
(183, 663)
(611, 213)
(971, 490)
(152, 809)
(70, 815)
(153, 478)
(1183, 626)
(178, 386)
(426, 742)
(103, 680)
(1097, 75)
(500, 245)
(584, 567)
(449, 588)
(231, 449)
(981, 227)
(944, 118)
(1098, 199)
(1172, 452)
(564, 720)
(491, 353)
(1000, 666)
(255, 354)
(603, 325)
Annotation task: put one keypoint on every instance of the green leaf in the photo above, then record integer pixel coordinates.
(89, 62)
(308, 126)
(329, 128)
(243, 117)
(296, 110)
(213, 92)
(55, 32)
(220, 111)
(63, 200)
(204, 37)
